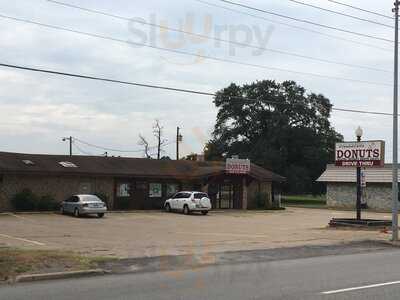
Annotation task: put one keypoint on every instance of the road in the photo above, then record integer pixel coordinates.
(374, 275)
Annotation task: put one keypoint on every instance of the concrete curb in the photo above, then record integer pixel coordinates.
(59, 275)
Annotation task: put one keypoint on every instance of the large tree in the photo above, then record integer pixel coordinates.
(279, 126)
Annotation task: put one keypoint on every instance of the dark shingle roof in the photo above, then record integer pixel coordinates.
(120, 166)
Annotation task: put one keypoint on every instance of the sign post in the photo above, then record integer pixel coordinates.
(359, 133)
(360, 154)
(363, 189)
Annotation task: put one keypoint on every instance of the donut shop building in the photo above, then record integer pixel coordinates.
(136, 183)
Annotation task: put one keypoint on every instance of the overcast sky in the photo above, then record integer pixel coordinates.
(37, 110)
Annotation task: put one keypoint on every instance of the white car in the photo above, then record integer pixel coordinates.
(188, 202)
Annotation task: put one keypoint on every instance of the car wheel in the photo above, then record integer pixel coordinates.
(100, 215)
(204, 212)
(76, 213)
(167, 208)
(186, 210)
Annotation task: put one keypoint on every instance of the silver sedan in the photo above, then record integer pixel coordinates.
(84, 205)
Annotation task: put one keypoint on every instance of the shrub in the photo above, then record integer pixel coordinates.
(261, 200)
(24, 201)
(123, 203)
(103, 197)
(46, 203)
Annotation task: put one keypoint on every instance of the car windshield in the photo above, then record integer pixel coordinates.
(200, 195)
(90, 198)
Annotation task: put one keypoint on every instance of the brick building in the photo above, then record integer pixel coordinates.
(342, 190)
(132, 183)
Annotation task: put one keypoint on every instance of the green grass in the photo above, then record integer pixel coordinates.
(304, 200)
(15, 262)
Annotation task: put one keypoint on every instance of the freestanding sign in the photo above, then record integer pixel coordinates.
(237, 166)
(360, 154)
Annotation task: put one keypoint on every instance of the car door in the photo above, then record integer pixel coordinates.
(74, 203)
(174, 200)
(67, 204)
(184, 197)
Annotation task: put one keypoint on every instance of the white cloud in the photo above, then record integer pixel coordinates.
(38, 109)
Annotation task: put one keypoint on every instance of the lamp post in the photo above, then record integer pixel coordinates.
(359, 133)
(179, 138)
(70, 139)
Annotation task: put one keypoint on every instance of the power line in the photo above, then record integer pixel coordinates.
(306, 21)
(107, 149)
(362, 111)
(195, 54)
(340, 13)
(81, 150)
(93, 11)
(165, 88)
(101, 79)
(117, 150)
(296, 27)
(361, 9)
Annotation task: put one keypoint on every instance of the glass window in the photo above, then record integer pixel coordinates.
(172, 189)
(90, 198)
(177, 196)
(200, 195)
(155, 190)
(123, 190)
(185, 195)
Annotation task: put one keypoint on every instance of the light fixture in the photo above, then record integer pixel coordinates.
(359, 132)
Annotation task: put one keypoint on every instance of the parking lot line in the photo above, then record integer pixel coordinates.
(21, 217)
(22, 239)
(224, 234)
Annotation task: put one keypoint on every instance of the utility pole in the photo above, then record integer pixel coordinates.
(179, 139)
(70, 139)
(395, 186)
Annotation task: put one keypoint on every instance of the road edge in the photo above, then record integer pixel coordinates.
(58, 275)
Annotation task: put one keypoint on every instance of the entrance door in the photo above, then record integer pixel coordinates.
(226, 196)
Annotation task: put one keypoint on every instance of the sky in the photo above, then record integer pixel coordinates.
(38, 110)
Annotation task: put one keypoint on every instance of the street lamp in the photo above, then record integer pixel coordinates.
(179, 139)
(70, 139)
(359, 133)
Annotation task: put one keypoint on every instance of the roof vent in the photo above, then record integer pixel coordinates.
(67, 164)
(28, 162)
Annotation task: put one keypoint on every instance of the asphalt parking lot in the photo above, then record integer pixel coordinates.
(139, 234)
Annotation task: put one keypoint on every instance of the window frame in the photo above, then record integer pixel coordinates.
(128, 191)
(160, 194)
(171, 195)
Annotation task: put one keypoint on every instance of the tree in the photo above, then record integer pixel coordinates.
(158, 133)
(191, 156)
(283, 129)
(143, 142)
